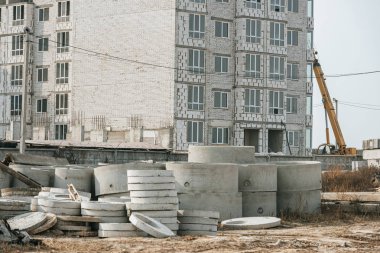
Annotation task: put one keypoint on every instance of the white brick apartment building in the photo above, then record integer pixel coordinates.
(170, 72)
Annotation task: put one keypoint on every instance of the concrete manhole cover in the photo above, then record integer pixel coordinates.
(251, 223)
(27, 221)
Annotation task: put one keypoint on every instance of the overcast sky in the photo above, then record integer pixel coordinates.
(347, 38)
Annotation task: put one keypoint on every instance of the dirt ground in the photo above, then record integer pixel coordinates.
(324, 233)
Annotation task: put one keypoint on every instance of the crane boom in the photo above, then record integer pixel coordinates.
(330, 110)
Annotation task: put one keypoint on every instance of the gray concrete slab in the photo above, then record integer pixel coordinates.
(197, 220)
(159, 214)
(97, 213)
(81, 178)
(103, 206)
(28, 221)
(151, 194)
(151, 187)
(150, 226)
(151, 207)
(198, 213)
(41, 176)
(155, 200)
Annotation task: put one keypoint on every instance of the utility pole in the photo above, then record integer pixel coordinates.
(24, 91)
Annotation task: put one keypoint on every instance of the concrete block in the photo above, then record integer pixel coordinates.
(205, 177)
(60, 210)
(101, 213)
(257, 178)
(197, 220)
(151, 207)
(159, 214)
(299, 201)
(259, 204)
(159, 200)
(109, 219)
(59, 203)
(103, 206)
(213, 154)
(229, 205)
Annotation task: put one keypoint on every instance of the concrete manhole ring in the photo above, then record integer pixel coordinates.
(251, 223)
(150, 226)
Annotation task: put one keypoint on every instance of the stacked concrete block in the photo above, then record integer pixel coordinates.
(153, 193)
(209, 186)
(112, 230)
(299, 187)
(112, 181)
(10, 208)
(105, 212)
(59, 206)
(198, 222)
(258, 185)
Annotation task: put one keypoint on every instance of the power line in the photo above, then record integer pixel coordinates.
(361, 107)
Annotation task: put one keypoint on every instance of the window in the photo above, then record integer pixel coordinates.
(277, 68)
(254, 4)
(41, 105)
(221, 64)
(194, 132)
(291, 105)
(196, 97)
(197, 26)
(221, 29)
(198, 1)
(277, 5)
(252, 101)
(61, 104)
(43, 44)
(252, 65)
(62, 73)
(60, 132)
(277, 34)
(43, 14)
(63, 11)
(42, 74)
(308, 138)
(253, 31)
(196, 61)
(17, 45)
(220, 135)
(276, 102)
(16, 105)
(310, 8)
(293, 72)
(293, 5)
(309, 40)
(309, 74)
(293, 138)
(18, 15)
(16, 75)
(63, 40)
(309, 105)
(220, 99)
(292, 38)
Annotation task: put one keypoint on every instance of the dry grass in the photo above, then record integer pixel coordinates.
(339, 180)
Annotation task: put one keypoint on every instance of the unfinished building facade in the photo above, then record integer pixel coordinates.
(170, 72)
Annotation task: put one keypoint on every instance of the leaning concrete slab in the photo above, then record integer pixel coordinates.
(150, 226)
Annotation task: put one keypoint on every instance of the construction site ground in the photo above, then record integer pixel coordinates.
(321, 233)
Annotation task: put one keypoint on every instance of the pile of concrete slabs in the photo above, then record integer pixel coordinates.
(299, 187)
(208, 185)
(153, 194)
(112, 180)
(113, 230)
(59, 206)
(105, 212)
(198, 222)
(226, 154)
(10, 208)
(42, 175)
(80, 177)
(258, 185)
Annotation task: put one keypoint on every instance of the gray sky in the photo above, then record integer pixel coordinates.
(347, 39)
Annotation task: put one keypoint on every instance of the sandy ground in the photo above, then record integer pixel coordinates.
(321, 234)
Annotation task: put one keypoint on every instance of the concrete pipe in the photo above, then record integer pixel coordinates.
(5, 180)
(257, 178)
(299, 176)
(301, 202)
(114, 179)
(259, 204)
(214, 154)
(229, 205)
(205, 177)
(39, 174)
(81, 178)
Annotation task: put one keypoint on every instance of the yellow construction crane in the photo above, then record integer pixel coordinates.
(331, 114)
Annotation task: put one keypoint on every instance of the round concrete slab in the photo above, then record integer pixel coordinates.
(78, 219)
(152, 194)
(96, 213)
(151, 207)
(160, 214)
(205, 177)
(151, 187)
(49, 223)
(196, 233)
(117, 227)
(67, 204)
(198, 213)
(60, 210)
(198, 227)
(150, 180)
(103, 206)
(158, 200)
(150, 226)
(197, 220)
(122, 219)
(116, 234)
(27, 221)
(114, 199)
(166, 220)
(251, 223)
(149, 173)
(228, 154)
(12, 203)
